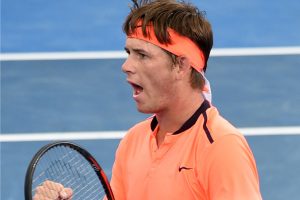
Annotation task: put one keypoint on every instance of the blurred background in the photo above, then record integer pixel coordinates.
(61, 76)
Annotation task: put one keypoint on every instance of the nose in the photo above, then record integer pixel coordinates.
(127, 66)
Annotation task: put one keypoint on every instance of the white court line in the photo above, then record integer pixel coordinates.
(217, 52)
(63, 55)
(24, 137)
(256, 51)
(102, 135)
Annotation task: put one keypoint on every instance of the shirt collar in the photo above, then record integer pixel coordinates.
(190, 122)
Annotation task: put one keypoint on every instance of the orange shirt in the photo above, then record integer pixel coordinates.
(206, 159)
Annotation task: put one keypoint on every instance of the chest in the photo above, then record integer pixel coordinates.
(168, 172)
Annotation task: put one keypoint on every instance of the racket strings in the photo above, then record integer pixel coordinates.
(69, 168)
(43, 166)
(90, 186)
(84, 191)
(92, 190)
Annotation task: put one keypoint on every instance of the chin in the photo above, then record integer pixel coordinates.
(146, 110)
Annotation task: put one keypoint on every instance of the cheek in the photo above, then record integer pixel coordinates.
(162, 86)
(160, 79)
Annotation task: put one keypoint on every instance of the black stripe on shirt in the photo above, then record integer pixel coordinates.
(209, 137)
(191, 121)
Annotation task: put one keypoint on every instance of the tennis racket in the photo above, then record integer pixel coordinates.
(70, 165)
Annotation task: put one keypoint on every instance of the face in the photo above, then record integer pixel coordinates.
(151, 74)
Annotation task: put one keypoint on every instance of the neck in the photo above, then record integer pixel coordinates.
(172, 119)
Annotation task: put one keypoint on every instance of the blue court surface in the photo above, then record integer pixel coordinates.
(65, 96)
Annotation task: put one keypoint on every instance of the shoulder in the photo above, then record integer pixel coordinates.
(219, 127)
(139, 129)
(229, 147)
(223, 137)
(138, 132)
(228, 164)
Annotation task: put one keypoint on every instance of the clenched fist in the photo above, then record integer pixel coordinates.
(50, 190)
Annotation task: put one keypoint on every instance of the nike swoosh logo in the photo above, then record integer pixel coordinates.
(186, 168)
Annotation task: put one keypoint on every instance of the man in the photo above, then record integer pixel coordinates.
(186, 150)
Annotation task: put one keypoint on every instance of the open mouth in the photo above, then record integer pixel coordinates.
(137, 89)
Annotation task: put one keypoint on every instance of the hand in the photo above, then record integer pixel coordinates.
(50, 190)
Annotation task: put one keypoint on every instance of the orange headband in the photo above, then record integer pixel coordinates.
(180, 45)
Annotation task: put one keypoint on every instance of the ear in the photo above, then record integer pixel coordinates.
(184, 67)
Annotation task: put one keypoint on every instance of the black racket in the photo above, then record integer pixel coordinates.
(70, 165)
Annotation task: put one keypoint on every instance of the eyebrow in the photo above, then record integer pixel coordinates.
(137, 50)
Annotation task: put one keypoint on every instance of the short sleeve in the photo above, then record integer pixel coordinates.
(231, 170)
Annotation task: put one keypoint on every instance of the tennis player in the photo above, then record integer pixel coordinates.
(186, 150)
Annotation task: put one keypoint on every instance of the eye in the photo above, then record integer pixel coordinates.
(127, 51)
(141, 55)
